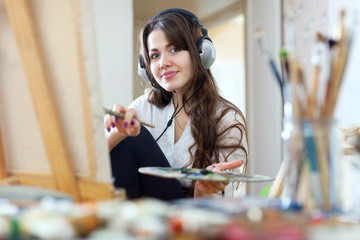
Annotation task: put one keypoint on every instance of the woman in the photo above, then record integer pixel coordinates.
(195, 126)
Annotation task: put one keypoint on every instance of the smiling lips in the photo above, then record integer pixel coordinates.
(169, 74)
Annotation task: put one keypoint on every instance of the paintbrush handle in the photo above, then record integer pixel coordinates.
(122, 116)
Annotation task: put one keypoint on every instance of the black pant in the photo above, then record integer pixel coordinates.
(142, 151)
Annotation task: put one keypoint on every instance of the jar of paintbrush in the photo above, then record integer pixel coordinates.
(310, 135)
(308, 175)
(310, 155)
(309, 145)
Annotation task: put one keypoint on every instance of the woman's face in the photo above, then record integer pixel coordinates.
(170, 66)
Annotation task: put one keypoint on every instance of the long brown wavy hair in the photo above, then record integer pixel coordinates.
(183, 33)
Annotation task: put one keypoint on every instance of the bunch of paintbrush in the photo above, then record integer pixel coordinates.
(309, 106)
(320, 109)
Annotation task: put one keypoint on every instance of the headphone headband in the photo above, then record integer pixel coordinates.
(186, 13)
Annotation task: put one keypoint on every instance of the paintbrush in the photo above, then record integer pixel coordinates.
(267, 57)
(277, 186)
(122, 116)
(284, 65)
(338, 65)
(345, 42)
(316, 58)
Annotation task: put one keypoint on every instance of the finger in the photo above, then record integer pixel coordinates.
(107, 124)
(129, 116)
(118, 122)
(227, 165)
(233, 164)
(118, 109)
(211, 167)
(134, 128)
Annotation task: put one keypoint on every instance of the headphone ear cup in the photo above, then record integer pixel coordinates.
(142, 69)
(207, 52)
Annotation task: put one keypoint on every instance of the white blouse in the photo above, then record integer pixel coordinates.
(177, 153)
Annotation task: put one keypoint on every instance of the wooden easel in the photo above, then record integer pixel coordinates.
(63, 177)
(3, 172)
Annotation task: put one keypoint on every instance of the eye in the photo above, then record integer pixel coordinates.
(175, 50)
(154, 56)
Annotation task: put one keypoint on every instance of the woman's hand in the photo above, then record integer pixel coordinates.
(119, 129)
(206, 188)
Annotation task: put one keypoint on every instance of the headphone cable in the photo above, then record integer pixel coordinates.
(176, 112)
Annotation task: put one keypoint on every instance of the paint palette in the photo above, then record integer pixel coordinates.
(202, 174)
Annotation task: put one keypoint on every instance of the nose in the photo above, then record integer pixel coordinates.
(164, 61)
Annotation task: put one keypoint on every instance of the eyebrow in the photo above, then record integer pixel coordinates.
(155, 49)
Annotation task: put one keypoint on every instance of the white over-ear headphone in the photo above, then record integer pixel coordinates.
(205, 46)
